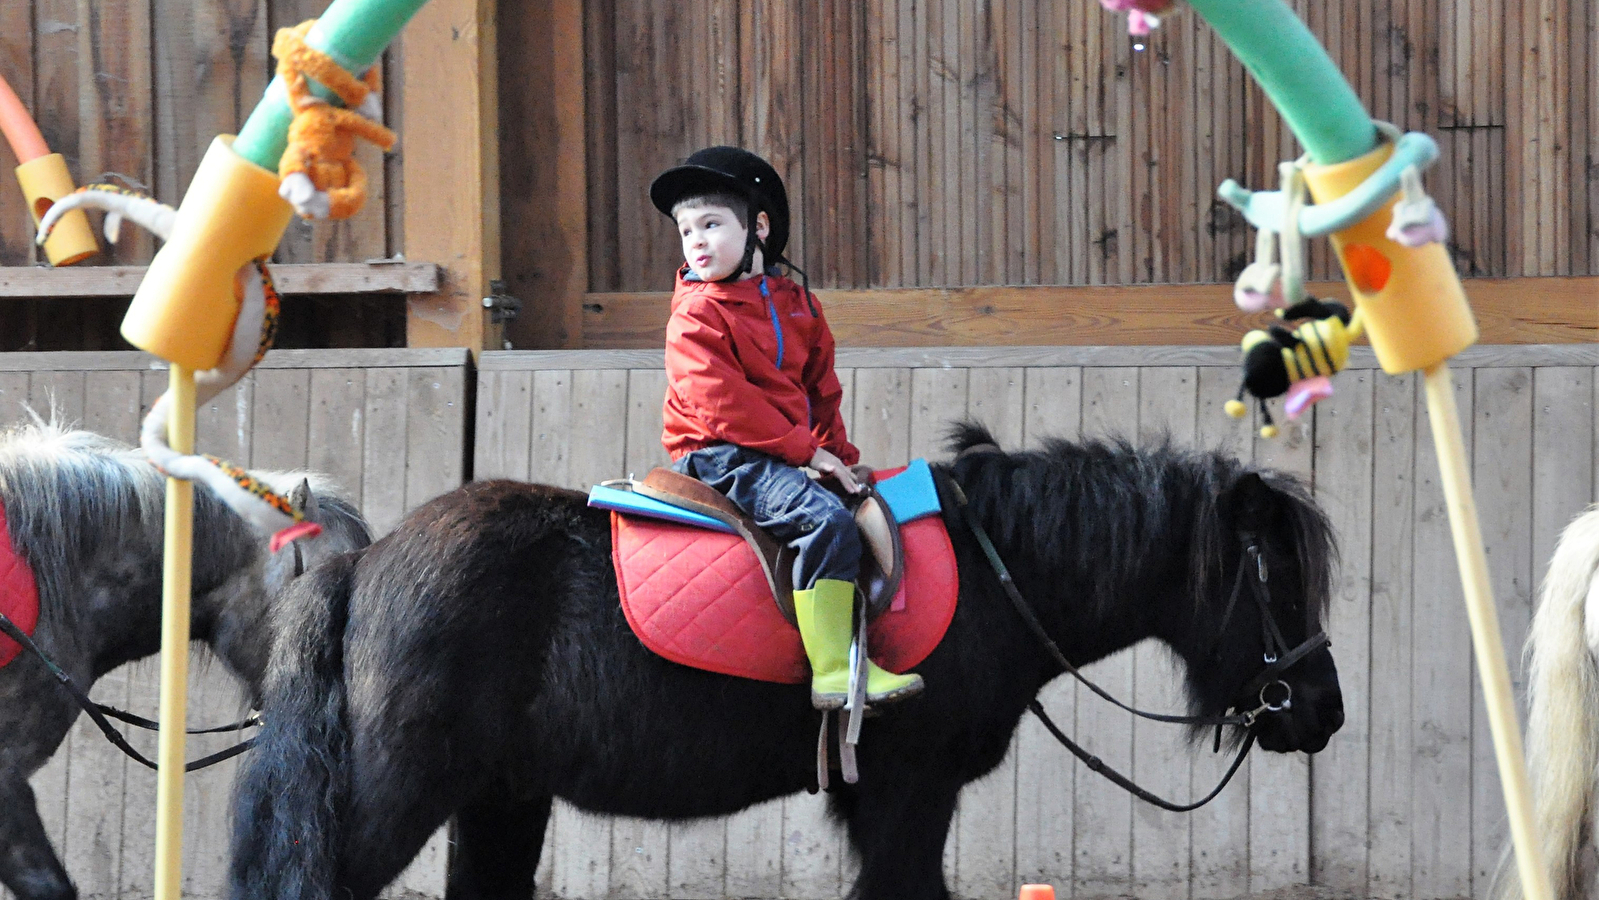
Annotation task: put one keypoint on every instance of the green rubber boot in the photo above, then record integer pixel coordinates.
(826, 615)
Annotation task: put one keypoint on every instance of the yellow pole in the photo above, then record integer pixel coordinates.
(1485, 634)
(175, 646)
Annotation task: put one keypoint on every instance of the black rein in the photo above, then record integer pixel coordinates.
(99, 712)
(1276, 664)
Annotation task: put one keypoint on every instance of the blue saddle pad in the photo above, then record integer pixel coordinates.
(910, 495)
(640, 505)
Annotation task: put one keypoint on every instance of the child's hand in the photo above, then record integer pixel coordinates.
(828, 464)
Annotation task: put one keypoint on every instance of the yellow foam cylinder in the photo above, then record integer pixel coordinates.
(1410, 298)
(45, 180)
(186, 305)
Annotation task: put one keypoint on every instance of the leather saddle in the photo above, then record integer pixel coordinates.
(882, 565)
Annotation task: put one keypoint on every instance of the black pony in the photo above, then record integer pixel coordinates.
(476, 663)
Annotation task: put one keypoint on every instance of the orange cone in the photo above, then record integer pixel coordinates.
(1037, 892)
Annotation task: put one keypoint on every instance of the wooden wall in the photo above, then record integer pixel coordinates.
(390, 426)
(1405, 801)
(134, 91)
(927, 144)
(1403, 804)
(1014, 142)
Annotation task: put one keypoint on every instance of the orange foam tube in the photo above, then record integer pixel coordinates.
(186, 305)
(45, 180)
(1410, 298)
(18, 126)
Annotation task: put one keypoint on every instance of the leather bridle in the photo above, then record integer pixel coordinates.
(99, 713)
(1278, 657)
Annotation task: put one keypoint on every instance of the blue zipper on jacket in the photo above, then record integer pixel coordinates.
(777, 324)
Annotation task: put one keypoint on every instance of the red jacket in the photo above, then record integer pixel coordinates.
(751, 370)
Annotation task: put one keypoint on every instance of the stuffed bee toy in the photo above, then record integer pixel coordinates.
(1295, 363)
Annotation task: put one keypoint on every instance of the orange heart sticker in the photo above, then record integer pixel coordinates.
(1369, 268)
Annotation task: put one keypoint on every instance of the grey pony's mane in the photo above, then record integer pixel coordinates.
(68, 493)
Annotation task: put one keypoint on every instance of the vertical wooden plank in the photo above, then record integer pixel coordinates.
(600, 103)
(1563, 454)
(985, 819)
(434, 441)
(1502, 481)
(502, 442)
(1104, 812)
(58, 73)
(1279, 794)
(542, 136)
(589, 858)
(1442, 674)
(697, 859)
(452, 175)
(222, 427)
(755, 851)
(384, 457)
(813, 849)
(13, 398)
(1393, 630)
(1045, 775)
(336, 426)
(58, 396)
(1219, 858)
(977, 132)
(635, 232)
(281, 418)
(1580, 137)
(116, 102)
(214, 697)
(776, 131)
(549, 459)
(646, 390)
(1167, 405)
(912, 202)
(885, 158)
(137, 873)
(16, 225)
(1340, 815)
(435, 428)
(99, 770)
(938, 400)
(882, 414)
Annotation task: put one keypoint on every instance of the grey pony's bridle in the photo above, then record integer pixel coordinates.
(1278, 657)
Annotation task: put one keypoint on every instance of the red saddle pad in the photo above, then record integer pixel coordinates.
(19, 594)
(699, 598)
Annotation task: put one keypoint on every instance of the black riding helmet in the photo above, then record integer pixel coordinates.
(737, 171)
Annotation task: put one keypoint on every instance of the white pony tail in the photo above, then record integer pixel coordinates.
(1563, 720)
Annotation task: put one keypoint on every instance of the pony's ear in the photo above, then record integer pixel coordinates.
(304, 500)
(1250, 504)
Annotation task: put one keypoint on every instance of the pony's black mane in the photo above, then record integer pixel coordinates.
(1130, 498)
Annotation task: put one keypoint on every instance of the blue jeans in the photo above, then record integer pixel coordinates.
(788, 504)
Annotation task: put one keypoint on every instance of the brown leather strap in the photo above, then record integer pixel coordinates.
(688, 492)
(883, 563)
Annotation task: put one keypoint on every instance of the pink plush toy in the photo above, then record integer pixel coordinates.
(1142, 15)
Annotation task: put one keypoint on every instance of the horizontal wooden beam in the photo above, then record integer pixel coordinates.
(123, 360)
(1496, 355)
(1508, 311)
(398, 277)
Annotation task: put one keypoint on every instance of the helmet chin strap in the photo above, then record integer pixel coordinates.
(751, 244)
